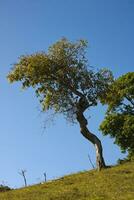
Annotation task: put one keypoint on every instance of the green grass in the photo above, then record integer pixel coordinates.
(116, 183)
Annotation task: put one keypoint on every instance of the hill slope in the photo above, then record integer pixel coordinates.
(116, 183)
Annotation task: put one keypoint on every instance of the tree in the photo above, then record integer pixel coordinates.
(119, 120)
(65, 83)
(45, 176)
(22, 173)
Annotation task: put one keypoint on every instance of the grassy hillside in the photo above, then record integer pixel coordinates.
(115, 183)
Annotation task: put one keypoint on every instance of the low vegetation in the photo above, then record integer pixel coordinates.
(4, 188)
(109, 184)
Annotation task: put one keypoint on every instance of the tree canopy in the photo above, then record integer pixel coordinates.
(119, 119)
(64, 82)
(61, 76)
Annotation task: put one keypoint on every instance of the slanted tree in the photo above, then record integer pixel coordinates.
(119, 120)
(65, 83)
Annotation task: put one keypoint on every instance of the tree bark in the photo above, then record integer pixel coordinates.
(100, 163)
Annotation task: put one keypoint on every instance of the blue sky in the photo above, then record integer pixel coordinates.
(28, 26)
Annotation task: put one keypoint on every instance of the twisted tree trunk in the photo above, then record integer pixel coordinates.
(100, 163)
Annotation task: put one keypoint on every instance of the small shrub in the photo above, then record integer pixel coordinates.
(4, 188)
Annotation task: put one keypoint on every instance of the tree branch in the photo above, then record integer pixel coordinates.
(129, 99)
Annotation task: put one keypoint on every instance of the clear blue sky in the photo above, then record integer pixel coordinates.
(27, 26)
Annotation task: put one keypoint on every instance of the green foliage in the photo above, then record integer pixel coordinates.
(4, 188)
(129, 158)
(120, 96)
(119, 120)
(110, 184)
(61, 77)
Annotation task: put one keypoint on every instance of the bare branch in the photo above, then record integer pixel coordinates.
(91, 162)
